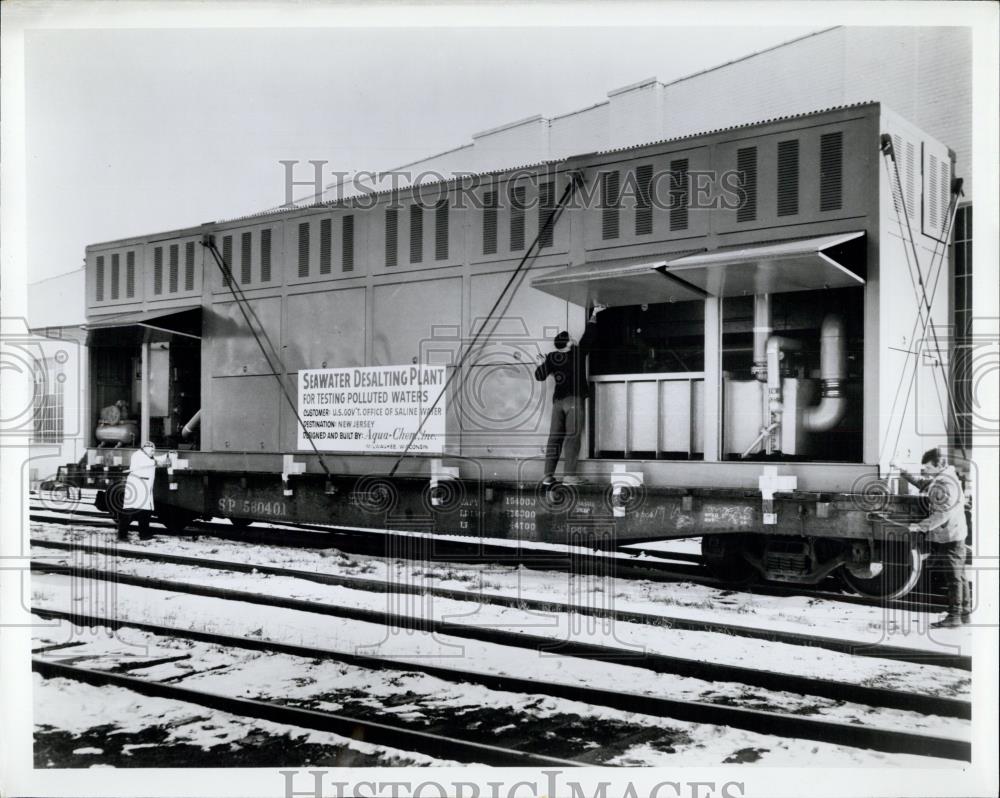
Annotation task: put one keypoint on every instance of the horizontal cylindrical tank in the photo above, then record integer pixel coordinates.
(125, 433)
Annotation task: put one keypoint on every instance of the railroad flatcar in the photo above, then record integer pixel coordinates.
(776, 298)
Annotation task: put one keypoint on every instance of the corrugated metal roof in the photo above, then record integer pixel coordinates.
(741, 126)
(347, 201)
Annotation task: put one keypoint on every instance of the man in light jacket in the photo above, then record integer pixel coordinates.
(946, 530)
(138, 502)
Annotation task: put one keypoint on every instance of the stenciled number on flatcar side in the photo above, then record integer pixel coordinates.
(228, 505)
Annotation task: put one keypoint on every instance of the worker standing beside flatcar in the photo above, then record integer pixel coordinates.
(946, 529)
(568, 369)
(138, 503)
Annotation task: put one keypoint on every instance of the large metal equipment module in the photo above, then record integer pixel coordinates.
(769, 345)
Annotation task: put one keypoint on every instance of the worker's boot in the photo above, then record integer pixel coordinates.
(949, 621)
(966, 601)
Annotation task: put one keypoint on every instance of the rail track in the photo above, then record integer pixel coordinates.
(371, 731)
(763, 722)
(853, 647)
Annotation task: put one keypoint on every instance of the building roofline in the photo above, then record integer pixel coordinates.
(639, 84)
(579, 111)
(508, 125)
(754, 54)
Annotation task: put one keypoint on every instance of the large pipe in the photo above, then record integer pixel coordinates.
(762, 330)
(189, 428)
(777, 345)
(832, 371)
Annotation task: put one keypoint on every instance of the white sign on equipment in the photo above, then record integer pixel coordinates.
(372, 409)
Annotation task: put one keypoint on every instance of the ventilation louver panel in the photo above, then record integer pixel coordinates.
(903, 178)
(679, 194)
(265, 255)
(158, 270)
(490, 223)
(610, 197)
(643, 205)
(517, 219)
(130, 274)
(189, 266)
(114, 276)
(441, 230)
(174, 268)
(303, 249)
(99, 279)
(831, 171)
(944, 186)
(347, 244)
(788, 178)
(416, 234)
(227, 259)
(325, 245)
(246, 268)
(937, 210)
(746, 165)
(391, 237)
(546, 205)
(932, 194)
(910, 183)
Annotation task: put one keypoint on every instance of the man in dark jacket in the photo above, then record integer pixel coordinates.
(946, 530)
(568, 368)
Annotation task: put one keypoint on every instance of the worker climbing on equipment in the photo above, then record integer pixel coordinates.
(138, 502)
(567, 365)
(946, 530)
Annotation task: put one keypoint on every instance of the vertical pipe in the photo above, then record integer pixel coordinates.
(144, 393)
(712, 431)
(762, 329)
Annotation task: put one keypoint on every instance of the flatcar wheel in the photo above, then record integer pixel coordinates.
(896, 575)
(240, 523)
(723, 556)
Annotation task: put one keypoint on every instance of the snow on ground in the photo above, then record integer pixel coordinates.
(66, 711)
(338, 634)
(558, 727)
(701, 646)
(667, 599)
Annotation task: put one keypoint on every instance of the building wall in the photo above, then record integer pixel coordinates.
(56, 309)
(60, 412)
(585, 130)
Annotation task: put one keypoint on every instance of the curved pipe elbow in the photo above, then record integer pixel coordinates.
(826, 415)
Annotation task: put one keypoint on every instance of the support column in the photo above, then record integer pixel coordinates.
(144, 393)
(712, 432)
